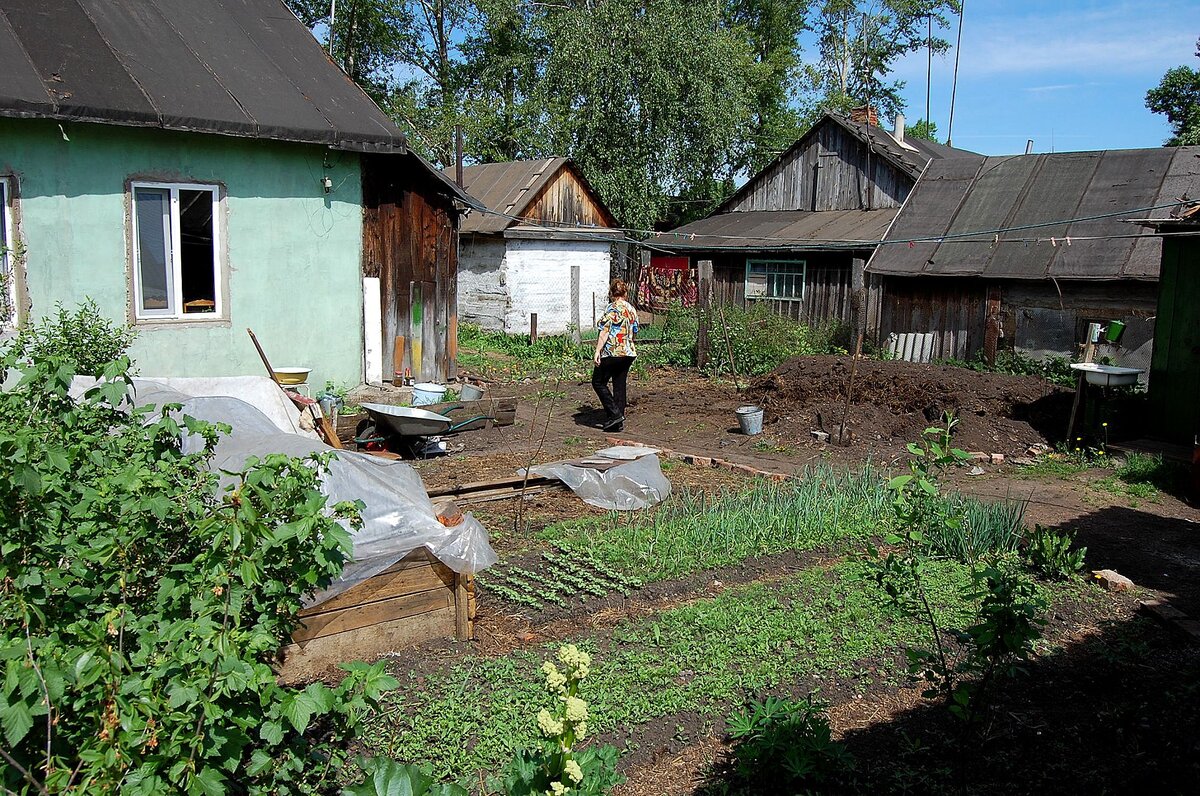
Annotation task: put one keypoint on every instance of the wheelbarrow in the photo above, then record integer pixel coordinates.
(411, 432)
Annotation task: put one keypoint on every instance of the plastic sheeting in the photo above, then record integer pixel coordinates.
(398, 516)
(634, 485)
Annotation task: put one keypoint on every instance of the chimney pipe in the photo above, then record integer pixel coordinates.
(898, 130)
(458, 155)
(1029, 147)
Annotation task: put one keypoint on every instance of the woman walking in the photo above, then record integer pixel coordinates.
(614, 354)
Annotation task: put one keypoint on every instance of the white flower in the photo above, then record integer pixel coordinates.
(573, 771)
(581, 731)
(576, 661)
(550, 727)
(556, 789)
(576, 710)
(556, 681)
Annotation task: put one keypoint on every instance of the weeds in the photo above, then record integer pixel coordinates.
(1048, 553)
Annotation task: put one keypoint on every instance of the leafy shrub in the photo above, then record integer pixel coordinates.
(84, 337)
(782, 746)
(144, 603)
(557, 766)
(1048, 552)
(762, 340)
(388, 778)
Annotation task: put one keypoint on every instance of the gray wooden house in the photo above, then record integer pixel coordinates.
(1024, 251)
(797, 231)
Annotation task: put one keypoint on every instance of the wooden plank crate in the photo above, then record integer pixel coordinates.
(416, 599)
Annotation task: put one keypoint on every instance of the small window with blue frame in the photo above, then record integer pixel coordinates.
(775, 279)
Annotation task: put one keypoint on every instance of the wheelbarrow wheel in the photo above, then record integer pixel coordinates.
(366, 435)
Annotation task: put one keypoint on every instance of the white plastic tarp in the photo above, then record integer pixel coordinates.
(630, 486)
(398, 516)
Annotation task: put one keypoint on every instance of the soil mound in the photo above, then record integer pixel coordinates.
(897, 400)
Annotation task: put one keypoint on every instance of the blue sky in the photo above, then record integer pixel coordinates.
(1069, 75)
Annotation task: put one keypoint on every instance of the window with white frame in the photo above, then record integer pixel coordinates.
(8, 257)
(775, 279)
(176, 251)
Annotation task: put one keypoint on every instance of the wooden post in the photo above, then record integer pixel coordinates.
(532, 327)
(643, 271)
(991, 330)
(575, 330)
(858, 297)
(704, 276)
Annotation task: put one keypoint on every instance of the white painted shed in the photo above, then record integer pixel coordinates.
(548, 248)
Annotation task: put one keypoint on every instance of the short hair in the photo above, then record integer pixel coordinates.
(618, 289)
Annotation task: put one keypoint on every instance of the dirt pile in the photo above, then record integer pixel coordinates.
(897, 400)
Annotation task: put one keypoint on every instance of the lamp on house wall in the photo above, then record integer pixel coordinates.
(327, 184)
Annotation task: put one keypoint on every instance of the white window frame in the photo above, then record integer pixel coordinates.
(8, 258)
(764, 293)
(176, 276)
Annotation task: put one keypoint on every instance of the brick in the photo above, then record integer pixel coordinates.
(997, 458)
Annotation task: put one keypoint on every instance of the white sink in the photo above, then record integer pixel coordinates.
(1107, 375)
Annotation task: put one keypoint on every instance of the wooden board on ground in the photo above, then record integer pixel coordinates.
(416, 599)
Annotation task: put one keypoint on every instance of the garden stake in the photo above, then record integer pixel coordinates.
(737, 384)
(850, 387)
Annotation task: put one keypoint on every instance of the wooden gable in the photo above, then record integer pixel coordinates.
(568, 199)
(826, 170)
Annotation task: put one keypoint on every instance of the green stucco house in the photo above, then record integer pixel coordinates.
(201, 167)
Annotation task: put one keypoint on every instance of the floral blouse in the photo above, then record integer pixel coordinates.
(621, 320)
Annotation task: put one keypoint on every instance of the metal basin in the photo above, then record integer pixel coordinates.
(1107, 375)
(407, 421)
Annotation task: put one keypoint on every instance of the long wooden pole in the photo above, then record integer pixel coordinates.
(327, 429)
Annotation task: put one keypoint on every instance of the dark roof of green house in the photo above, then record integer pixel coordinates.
(232, 67)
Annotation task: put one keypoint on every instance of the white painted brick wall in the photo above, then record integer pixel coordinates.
(482, 299)
(538, 279)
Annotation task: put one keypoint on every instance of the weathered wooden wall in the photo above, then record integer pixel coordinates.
(827, 172)
(566, 200)
(827, 287)
(410, 241)
(1036, 317)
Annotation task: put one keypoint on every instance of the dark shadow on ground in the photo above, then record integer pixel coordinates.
(1116, 712)
(1161, 553)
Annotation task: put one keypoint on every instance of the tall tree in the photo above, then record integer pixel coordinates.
(504, 58)
(772, 28)
(368, 39)
(651, 97)
(860, 43)
(1177, 96)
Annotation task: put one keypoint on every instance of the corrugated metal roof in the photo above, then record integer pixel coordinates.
(963, 196)
(506, 188)
(779, 230)
(231, 67)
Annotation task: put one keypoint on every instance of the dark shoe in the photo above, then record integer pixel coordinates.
(614, 424)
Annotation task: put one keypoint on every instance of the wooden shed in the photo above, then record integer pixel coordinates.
(544, 245)
(411, 216)
(1174, 392)
(1024, 252)
(798, 233)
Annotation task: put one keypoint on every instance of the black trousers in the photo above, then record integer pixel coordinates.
(616, 370)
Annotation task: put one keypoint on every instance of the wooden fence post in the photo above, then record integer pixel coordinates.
(991, 329)
(704, 276)
(576, 335)
(532, 327)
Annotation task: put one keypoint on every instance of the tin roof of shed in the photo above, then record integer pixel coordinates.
(959, 216)
(780, 230)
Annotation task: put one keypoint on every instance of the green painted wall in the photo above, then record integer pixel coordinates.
(1175, 367)
(294, 252)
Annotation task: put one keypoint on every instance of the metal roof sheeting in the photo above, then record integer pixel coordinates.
(780, 230)
(232, 67)
(971, 197)
(506, 188)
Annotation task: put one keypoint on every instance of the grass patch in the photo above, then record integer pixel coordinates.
(1056, 465)
(496, 355)
(704, 656)
(693, 531)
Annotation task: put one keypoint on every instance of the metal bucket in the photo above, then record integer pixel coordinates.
(428, 393)
(470, 392)
(750, 418)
